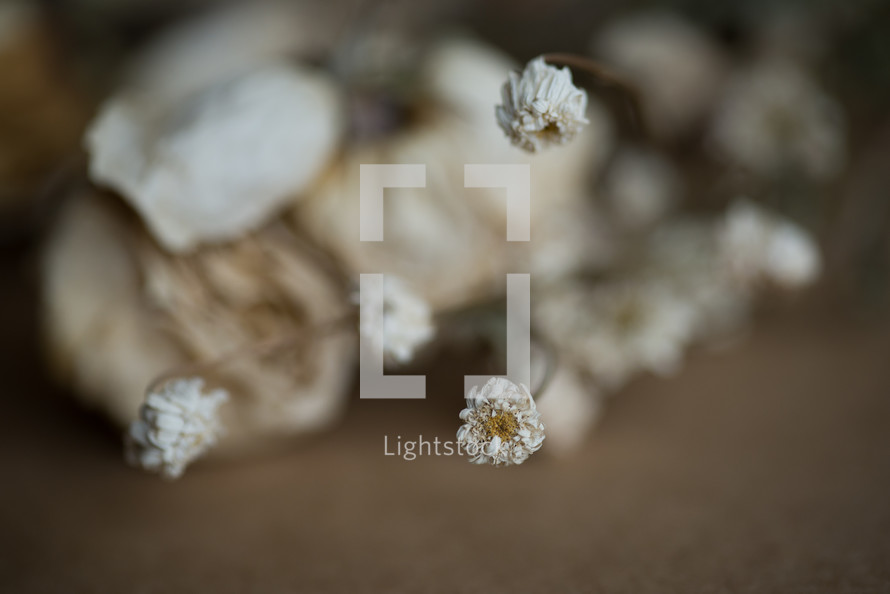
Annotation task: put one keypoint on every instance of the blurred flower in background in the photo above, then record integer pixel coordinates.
(757, 246)
(405, 322)
(773, 118)
(617, 329)
(678, 68)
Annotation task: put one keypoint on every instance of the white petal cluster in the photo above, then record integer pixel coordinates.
(618, 329)
(541, 106)
(406, 323)
(176, 425)
(774, 118)
(502, 425)
(758, 246)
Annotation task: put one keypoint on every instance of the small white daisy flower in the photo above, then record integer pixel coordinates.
(757, 245)
(541, 106)
(502, 425)
(406, 323)
(176, 424)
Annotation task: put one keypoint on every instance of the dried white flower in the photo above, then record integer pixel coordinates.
(406, 323)
(216, 163)
(176, 425)
(617, 329)
(463, 75)
(541, 106)
(757, 245)
(502, 425)
(774, 118)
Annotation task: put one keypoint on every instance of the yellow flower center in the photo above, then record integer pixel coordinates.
(551, 132)
(502, 424)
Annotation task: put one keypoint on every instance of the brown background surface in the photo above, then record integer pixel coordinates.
(764, 468)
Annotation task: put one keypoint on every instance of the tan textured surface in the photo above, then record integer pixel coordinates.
(761, 469)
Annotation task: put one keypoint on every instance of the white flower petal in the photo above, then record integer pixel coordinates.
(541, 107)
(210, 166)
(176, 425)
(406, 323)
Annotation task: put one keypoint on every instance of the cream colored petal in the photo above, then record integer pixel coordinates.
(213, 165)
